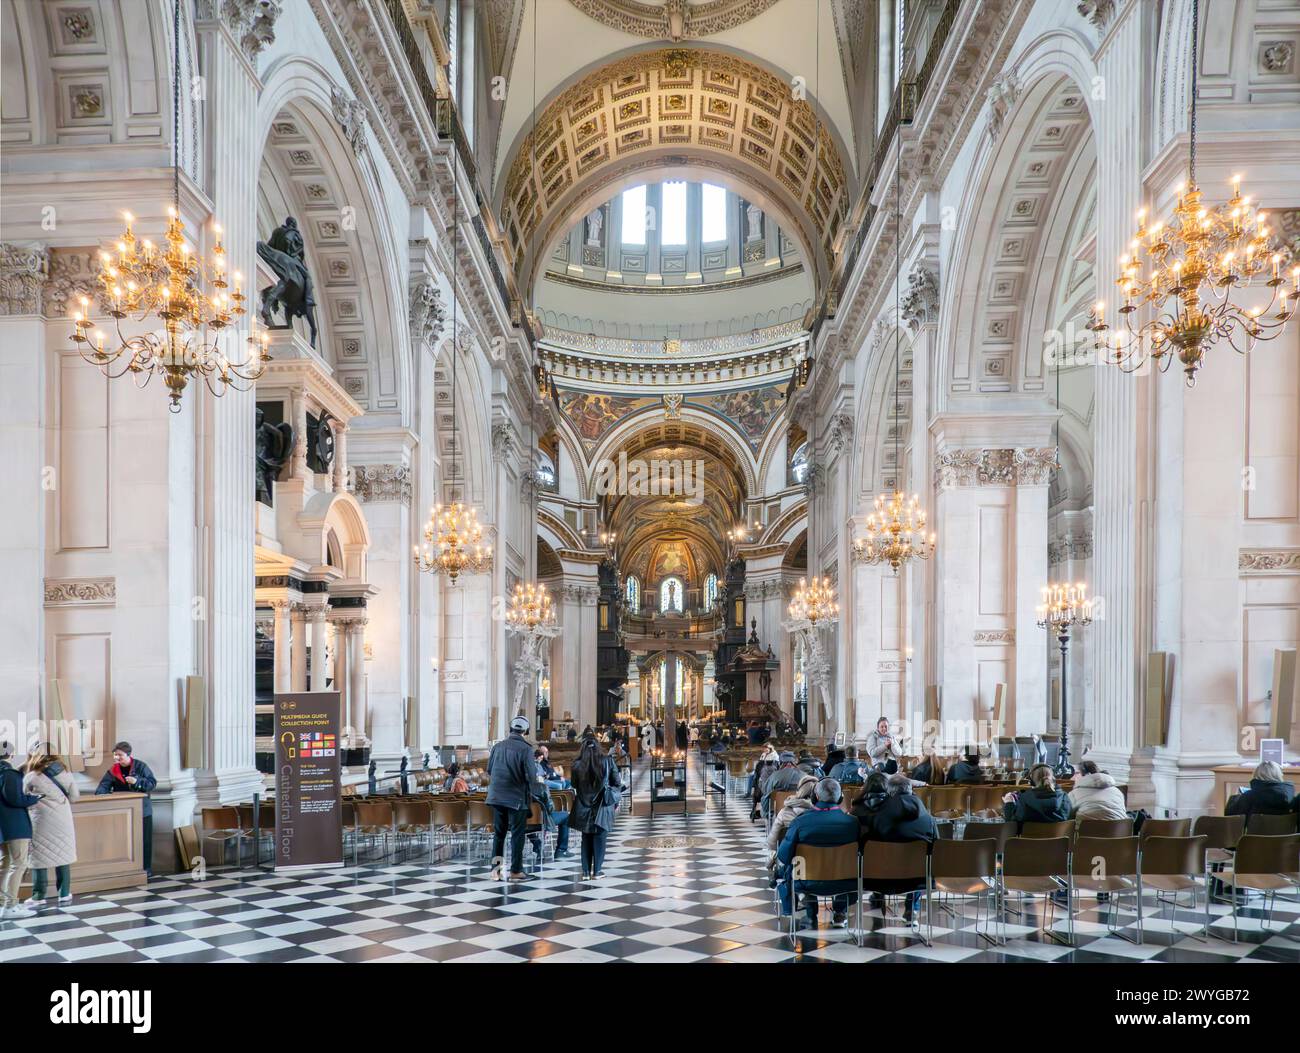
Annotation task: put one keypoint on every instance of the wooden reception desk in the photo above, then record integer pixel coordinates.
(110, 843)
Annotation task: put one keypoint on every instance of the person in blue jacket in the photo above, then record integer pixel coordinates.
(128, 775)
(16, 833)
(825, 824)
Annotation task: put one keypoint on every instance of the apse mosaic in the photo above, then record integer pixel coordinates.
(593, 413)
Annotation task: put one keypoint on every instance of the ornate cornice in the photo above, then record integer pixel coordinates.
(1070, 547)
(382, 482)
(1282, 560)
(1025, 466)
(672, 19)
(80, 592)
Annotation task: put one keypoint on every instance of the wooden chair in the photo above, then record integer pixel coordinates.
(374, 819)
(1120, 875)
(1271, 825)
(449, 819)
(1262, 864)
(967, 870)
(851, 793)
(824, 863)
(222, 825)
(263, 832)
(949, 802)
(1050, 831)
(778, 802)
(1105, 828)
(1171, 865)
(889, 861)
(986, 801)
(1221, 832)
(1166, 828)
(479, 823)
(999, 832)
(413, 821)
(1037, 867)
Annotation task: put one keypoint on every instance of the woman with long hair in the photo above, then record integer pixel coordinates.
(597, 790)
(54, 838)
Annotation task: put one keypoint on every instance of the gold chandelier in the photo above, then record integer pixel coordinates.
(814, 602)
(1063, 607)
(1186, 271)
(453, 543)
(895, 532)
(530, 608)
(191, 295)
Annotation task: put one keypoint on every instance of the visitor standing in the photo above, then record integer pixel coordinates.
(511, 774)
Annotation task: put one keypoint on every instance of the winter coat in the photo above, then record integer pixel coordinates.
(924, 772)
(900, 817)
(848, 773)
(54, 840)
(1263, 798)
(15, 820)
(787, 778)
(879, 750)
(811, 766)
(114, 781)
(1096, 796)
(1037, 806)
(511, 772)
(822, 824)
(964, 772)
(790, 811)
(594, 803)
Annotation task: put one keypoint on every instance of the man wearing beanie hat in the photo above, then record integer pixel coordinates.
(786, 777)
(511, 774)
(16, 830)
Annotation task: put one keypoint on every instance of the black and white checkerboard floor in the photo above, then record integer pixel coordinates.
(655, 904)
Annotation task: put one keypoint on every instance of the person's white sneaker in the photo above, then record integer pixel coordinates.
(65, 900)
(35, 904)
(19, 911)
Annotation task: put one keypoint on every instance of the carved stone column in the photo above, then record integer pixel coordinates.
(282, 675)
(357, 677)
(298, 648)
(319, 645)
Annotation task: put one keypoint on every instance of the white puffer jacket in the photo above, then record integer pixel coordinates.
(54, 840)
(1096, 796)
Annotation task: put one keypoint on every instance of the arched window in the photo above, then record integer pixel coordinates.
(633, 590)
(545, 471)
(799, 465)
(710, 591)
(670, 595)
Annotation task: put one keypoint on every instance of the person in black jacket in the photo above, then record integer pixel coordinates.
(966, 770)
(15, 832)
(128, 775)
(597, 790)
(895, 815)
(512, 773)
(1041, 803)
(1268, 795)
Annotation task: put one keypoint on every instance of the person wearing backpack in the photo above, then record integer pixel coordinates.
(54, 837)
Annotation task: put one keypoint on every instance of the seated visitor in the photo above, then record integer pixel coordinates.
(850, 771)
(900, 817)
(1268, 795)
(810, 764)
(795, 805)
(1041, 803)
(767, 763)
(786, 777)
(554, 777)
(825, 824)
(551, 820)
(455, 780)
(834, 754)
(966, 770)
(1096, 795)
(875, 791)
(928, 771)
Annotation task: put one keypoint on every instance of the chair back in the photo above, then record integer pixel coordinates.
(986, 799)
(851, 793)
(1036, 856)
(949, 800)
(778, 799)
(373, 813)
(827, 862)
(480, 814)
(890, 860)
(1047, 830)
(963, 859)
(1169, 856)
(924, 794)
(1166, 828)
(1221, 831)
(225, 817)
(1259, 823)
(1105, 827)
(449, 812)
(998, 832)
(412, 813)
(535, 817)
(1116, 856)
(1268, 854)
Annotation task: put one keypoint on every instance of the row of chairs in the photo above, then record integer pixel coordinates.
(1034, 866)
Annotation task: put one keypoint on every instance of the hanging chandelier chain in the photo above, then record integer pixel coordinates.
(1196, 40)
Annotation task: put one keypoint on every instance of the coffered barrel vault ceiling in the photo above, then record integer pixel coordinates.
(673, 110)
